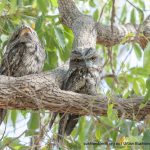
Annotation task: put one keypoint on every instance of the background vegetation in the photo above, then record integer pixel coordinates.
(125, 73)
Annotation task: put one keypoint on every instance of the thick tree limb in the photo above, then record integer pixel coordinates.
(42, 91)
(124, 34)
(39, 91)
(69, 11)
(121, 33)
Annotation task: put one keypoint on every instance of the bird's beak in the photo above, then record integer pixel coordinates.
(86, 64)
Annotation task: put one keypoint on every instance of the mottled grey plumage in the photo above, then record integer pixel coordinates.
(82, 77)
(24, 55)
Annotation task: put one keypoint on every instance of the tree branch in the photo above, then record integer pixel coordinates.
(124, 34)
(121, 33)
(69, 12)
(39, 91)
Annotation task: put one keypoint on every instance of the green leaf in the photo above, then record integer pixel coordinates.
(34, 121)
(142, 4)
(92, 4)
(137, 51)
(142, 85)
(42, 5)
(135, 87)
(13, 4)
(60, 37)
(134, 138)
(141, 17)
(106, 121)
(64, 49)
(146, 139)
(20, 3)
(82, 124)
(98, 132)
(24, 113)
(142, 105)
(140, 71)
(110, 111)
(74, 145)
(69, 35)
(146, 97)
(31, 133)
(54, 3)
(14, 144)
(53, 58)
(96, 15)
(14, 117)
(51, 42)
(148, 83)
(133, 19)
(2, 5)
(146, 60)
(109, 81)
(38, 23)
(123, 14)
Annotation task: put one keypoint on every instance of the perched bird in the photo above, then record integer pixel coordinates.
(82, 77)
(24, 55)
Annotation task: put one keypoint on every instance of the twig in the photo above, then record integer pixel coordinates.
(7, 144)
(4, 131)
(108, 75)
(101, 13)
(112, 15)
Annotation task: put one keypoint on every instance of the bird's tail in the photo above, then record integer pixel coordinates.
(54, 115)
(66, 125)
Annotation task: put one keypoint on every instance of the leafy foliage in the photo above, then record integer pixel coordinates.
(129, 62)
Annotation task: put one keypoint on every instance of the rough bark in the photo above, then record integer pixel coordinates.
(121, 33)
(39, 92)
(124, 34)
(79, 77)
(42, 91)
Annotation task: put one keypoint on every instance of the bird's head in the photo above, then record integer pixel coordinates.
(24, 34)
(87, 58)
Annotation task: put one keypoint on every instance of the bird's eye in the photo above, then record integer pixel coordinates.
(77, 60)
(26, 34)
(93, 58)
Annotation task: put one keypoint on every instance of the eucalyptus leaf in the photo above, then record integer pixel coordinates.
(146, 60)
(34, 121)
